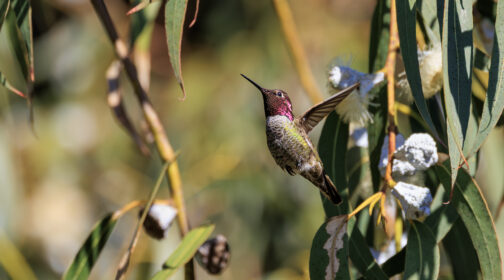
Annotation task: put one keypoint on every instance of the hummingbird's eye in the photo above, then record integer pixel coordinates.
(279, 94)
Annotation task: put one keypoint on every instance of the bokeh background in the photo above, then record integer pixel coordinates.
(78, 164)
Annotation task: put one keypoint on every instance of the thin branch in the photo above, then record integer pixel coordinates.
(391, 109)
(163, 145)
(296, 49)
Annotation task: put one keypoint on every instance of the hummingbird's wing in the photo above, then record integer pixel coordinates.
(319, 111)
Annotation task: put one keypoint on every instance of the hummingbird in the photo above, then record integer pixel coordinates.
(287, 136)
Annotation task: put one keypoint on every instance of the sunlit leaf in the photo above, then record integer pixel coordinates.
(185, 251)
(422, 253)
(175, 11)
(406, 24)
(473, 210)
(90, 251)
(494, 102)
(457, 45)
(329, 255)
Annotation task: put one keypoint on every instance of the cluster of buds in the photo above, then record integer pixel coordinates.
(355, 107)
(412, 157)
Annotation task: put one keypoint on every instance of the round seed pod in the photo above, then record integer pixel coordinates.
(214, 254)
(159, 220)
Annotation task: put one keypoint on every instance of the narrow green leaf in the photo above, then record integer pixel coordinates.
(16, 42)
(406, 25)
(90, 251)
(332, 149)
(458, 246)
(422, 253)
(175, 11)
(457, 45)
(185, 251)
(4, 8)
(428, 10)
(329, 251)
(376, 135)
(378, 46)
(494, 102)
(473, 210)
(142, 22)
(361, 256)
(23, 12)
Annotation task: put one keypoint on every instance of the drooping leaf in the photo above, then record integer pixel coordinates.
(90, 251)
(494, 102)
(376, 135)
(378, 45)
(329, 255)
(23, 12)
(332, 149)
(15, 39)
(142, 22)
(185, 251)
(457, 45)
(361, 256)
(4, 8)
(429, 11)
(175, 11)
(474, 212)
(422, 253)
(458, 247)
(406, 25)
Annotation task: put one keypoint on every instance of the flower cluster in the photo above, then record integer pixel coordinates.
(355, 107)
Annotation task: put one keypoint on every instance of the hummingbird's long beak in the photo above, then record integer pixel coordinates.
(254, 83)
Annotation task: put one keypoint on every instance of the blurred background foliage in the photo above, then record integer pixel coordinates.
(79, 164)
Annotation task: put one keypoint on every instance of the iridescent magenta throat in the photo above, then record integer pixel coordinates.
(279, 109)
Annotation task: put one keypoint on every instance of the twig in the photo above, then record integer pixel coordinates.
(163, 145)
(391, 109)
(296, 49)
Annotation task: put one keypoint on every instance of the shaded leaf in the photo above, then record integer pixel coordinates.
(361, 256)
(90, 251)
(473, 210)
(329, 253)
(494, 102)
(458, 246)
(175, 11)
(332, 149)
(406, 24)
(422, 253)
(185, 251)
(378, 45)
(457, 45)
(23, 11)
(4, 8)
(376, 135)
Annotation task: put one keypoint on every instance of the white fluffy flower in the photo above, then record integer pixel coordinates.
(431, 72)
(415, 200)
(354, 108)
(159, 219)
(417, 153)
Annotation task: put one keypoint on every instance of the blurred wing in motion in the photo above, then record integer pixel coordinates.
(319, 111)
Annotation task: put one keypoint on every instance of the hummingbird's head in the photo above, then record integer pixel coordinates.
(276, 101)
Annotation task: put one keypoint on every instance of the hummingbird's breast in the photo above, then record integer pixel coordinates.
(289, 145)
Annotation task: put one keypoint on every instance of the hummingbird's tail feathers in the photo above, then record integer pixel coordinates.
(329, 190)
